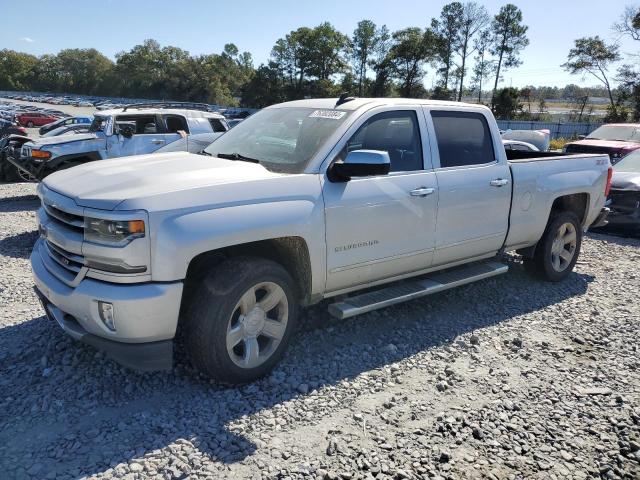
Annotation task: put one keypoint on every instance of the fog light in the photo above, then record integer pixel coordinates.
(106, 315)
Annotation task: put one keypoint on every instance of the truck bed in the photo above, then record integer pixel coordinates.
(540, 177)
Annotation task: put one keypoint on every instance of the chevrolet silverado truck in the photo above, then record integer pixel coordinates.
(133, 130)
(367, 202)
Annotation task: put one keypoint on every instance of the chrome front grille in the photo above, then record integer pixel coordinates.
(72, 220)
(66, 259)
(62, 226)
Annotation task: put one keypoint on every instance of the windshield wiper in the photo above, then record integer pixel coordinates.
(204, 152)
(236, 156)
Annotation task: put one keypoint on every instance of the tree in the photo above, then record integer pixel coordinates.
(593, 56)
(484, 65)
(629, 23)
(506, 104)
(16, 70)
(446, 31)
(365, 46)
(474, 19)
(508, 39)
(411, 49)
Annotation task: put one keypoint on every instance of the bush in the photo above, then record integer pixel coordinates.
(558, 143)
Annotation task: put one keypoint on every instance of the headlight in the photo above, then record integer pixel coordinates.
(40, 155)
(112, 231)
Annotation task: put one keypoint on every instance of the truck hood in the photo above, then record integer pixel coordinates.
(74, 137)
(157, 181)
(626, 181)
(608, 144)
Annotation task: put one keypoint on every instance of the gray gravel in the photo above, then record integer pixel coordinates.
(507, 378)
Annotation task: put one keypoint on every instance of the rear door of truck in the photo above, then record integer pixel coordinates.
(474, 183)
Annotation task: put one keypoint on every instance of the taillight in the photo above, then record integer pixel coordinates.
(609, 177)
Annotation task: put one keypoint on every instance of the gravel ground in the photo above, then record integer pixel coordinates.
(507, 378)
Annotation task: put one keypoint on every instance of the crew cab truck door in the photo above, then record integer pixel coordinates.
(474, 184)
(175, 127)
(382, 226)
(147, 138)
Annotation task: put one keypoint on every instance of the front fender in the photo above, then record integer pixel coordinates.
(180, 237)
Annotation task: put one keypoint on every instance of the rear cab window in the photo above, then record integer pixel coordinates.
(463, 138)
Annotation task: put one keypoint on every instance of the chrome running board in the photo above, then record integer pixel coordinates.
(409, 290)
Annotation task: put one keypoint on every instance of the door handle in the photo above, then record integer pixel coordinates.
(499, 182)
(157, 142)
(422, 192)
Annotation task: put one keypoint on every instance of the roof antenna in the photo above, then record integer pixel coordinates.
(344, 98)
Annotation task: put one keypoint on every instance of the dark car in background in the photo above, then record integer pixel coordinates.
(9, 128)
(624, 197)
(616, 139)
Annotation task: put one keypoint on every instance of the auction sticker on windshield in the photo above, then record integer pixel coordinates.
(330, 114)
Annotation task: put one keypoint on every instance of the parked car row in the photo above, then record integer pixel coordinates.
(132, 130)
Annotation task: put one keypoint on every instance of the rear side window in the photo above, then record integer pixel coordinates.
(217, 125)
(175, 123)
(463, 138)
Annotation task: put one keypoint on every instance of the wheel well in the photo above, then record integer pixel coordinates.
(290, 252)
(576, 203)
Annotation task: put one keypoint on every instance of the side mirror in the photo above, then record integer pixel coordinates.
(126, 131)
(581, 137)
(360, 163)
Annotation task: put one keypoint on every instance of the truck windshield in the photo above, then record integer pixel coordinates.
(280, 139)
(623, 133)
(98, 125)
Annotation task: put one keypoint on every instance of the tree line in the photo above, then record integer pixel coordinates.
(468, 50)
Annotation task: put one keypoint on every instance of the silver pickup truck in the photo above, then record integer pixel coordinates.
(303, 201)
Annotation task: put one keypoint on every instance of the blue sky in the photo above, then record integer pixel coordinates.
(201, 26)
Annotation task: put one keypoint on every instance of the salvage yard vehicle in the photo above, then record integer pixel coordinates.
(64, 122)
(615, 139)
(302, 201)
(624, 199)
(35, 119)
(133, 130)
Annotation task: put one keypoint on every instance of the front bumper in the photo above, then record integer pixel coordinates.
(146, 314)
(28, 165)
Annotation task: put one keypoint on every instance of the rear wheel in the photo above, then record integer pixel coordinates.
(558, 249)
(240, 319)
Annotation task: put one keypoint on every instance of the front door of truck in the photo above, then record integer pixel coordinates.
(382, 226)
(474, 186)
(148, 135)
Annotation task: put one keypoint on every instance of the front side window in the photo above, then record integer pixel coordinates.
(463, 138)
(396, 133)
(99, 124)
(143, 124)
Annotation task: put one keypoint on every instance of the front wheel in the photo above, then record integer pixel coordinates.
(240, 319)
(558, 249)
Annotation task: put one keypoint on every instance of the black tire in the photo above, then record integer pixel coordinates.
(542, 264)
(213, 307)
